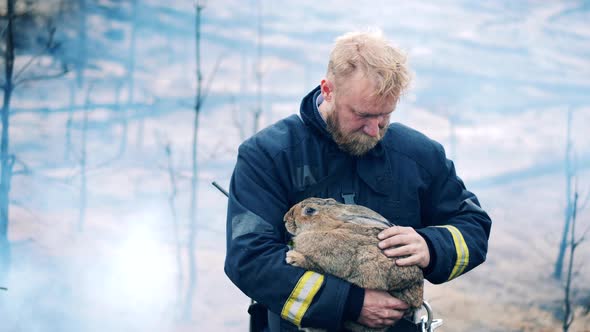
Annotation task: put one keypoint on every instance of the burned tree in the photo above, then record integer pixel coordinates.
(202, 90)
(79, 64)
(28, 34)
(569, 175)
(574, 242)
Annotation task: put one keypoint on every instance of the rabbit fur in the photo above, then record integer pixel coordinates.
(341, 240)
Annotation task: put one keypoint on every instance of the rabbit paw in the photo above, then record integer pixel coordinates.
(294, 258)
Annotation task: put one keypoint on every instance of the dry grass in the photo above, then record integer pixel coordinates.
(512, 291)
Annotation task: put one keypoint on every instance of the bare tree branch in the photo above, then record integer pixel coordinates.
(569, 312)
(28, 11)
(175, 224)
(569, 175)
(210, 81)
(37, 217)
(26, 170)
(26, 65)
(4, 30)
(90, 171)
(93, 106)
(41, 77)
(583, 237)
(48, 46)
(586, 200)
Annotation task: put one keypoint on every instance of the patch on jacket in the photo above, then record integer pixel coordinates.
(304, 177)
(247, 223)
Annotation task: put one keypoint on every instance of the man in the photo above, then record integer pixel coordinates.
(343, 147)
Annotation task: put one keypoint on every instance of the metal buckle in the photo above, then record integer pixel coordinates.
(348, 198)
(428, 323)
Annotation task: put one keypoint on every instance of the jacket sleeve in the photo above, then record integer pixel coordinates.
(458, 228)
(256, 249)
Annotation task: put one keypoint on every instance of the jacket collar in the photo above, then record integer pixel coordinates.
(311, 114)
(374, 167)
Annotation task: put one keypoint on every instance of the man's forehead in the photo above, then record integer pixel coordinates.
(373, 105)
(365, 92)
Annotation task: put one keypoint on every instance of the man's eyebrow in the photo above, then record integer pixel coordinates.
(359, 113)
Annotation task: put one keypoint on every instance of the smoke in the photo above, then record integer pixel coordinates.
(110, 280)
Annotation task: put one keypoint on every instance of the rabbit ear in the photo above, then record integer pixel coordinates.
(331, 201)
(320, 201)
(360, 215)
(366, 220)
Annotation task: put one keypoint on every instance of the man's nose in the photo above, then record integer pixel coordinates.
(371, 127)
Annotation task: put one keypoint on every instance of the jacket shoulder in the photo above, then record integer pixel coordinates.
(416, 146)
(275, 138)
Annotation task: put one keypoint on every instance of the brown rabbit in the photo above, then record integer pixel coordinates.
(341, 240)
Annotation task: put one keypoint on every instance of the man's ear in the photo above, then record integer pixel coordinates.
(327, 88)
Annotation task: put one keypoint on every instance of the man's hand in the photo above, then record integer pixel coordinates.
(380, 309)
(399, 241)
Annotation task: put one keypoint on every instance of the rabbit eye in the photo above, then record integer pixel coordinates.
(309, 211)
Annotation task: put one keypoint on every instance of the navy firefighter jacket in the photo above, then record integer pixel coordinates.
(406, 178)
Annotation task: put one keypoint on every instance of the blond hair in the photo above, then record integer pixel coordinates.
(371, 53)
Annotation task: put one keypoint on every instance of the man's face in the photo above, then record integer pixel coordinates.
(356, 119)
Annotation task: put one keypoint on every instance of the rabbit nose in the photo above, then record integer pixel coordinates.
(289, 215)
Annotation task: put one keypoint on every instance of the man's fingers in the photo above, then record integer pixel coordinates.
(389, 232)
(414, 256)
(394, 315)
(396, 304)
(388, 318)
(380, 309)
(411, 260)
(400, 251)
(398, 240)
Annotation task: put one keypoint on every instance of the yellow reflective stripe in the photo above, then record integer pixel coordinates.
(301, 296)
(462, 251)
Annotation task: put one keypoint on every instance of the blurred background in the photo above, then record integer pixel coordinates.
(118, 115)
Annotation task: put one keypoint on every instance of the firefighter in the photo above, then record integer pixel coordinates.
(342, 146)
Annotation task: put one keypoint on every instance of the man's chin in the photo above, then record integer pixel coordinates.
(357, 143)
(358, 149)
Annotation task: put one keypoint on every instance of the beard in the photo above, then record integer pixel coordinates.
(355, 143)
